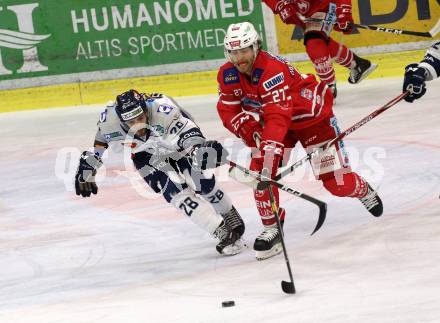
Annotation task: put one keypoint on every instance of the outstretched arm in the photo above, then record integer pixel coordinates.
(89, 163)
(417, 73)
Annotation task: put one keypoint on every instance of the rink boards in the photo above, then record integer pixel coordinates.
(186, 84)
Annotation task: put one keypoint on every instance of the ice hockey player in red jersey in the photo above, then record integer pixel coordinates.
(288, 107)
(321, 48)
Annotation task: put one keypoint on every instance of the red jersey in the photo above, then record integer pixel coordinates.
(307, 7)
(282, 97)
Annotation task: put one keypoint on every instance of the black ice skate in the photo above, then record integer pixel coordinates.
(268, 243)
(362, 69)
(230, 243)
(234, 221)
(372, 202)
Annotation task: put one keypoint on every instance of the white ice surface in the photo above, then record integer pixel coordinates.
(121, 257)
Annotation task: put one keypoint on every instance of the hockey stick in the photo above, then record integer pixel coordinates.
(321, 205)
(342, 135)
(429, 34)
(287, 287)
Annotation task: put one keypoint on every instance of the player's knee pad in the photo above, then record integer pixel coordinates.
(345, 185)
(198, 210)
(315, 35)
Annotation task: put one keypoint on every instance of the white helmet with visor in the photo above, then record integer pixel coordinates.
(239, 36)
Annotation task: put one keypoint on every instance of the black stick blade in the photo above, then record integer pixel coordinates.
(321, 217)
(288, 287)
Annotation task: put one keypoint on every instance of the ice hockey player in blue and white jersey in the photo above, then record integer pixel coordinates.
(170, 152)
(427, 70)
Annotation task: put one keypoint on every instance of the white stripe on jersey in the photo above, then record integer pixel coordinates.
(231, 102)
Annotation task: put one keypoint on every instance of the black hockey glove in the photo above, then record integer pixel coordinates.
(414, 82)
(85, 175)
(210, 154)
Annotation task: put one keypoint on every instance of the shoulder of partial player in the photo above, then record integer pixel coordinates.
(109, 125)
(274, 73)
(108, 115)
(228, 76)
(162, 109)
(434, 50)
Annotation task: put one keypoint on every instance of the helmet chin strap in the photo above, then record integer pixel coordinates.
(256, 49)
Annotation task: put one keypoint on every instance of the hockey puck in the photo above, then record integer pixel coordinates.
(228, 303)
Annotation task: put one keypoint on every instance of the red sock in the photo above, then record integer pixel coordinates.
(350, 185)
(264, 207)
(320, 56)
(341, 53)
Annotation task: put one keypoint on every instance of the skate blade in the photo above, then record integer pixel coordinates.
(262, 255)
(367, 72)
(234, 248)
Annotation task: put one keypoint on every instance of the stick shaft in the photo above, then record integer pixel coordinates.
(342, 135)
(280, 229)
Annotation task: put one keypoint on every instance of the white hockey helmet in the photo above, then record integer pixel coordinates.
(241, 35)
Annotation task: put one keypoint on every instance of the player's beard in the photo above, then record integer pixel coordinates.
(245, 67)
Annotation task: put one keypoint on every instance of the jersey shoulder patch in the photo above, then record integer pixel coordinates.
(256, 76)
(231, 76)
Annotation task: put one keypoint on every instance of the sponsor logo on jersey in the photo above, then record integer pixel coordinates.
(303, 6)
(274, 81)
(307, 94)
(257, 76)
(158, 129)
(263, 205)
(191, 134)
(164, 108)
(194, 132)
(230, 76)
(112, 135)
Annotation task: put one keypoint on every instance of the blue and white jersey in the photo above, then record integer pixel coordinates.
(170, 129)
(431, 61)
